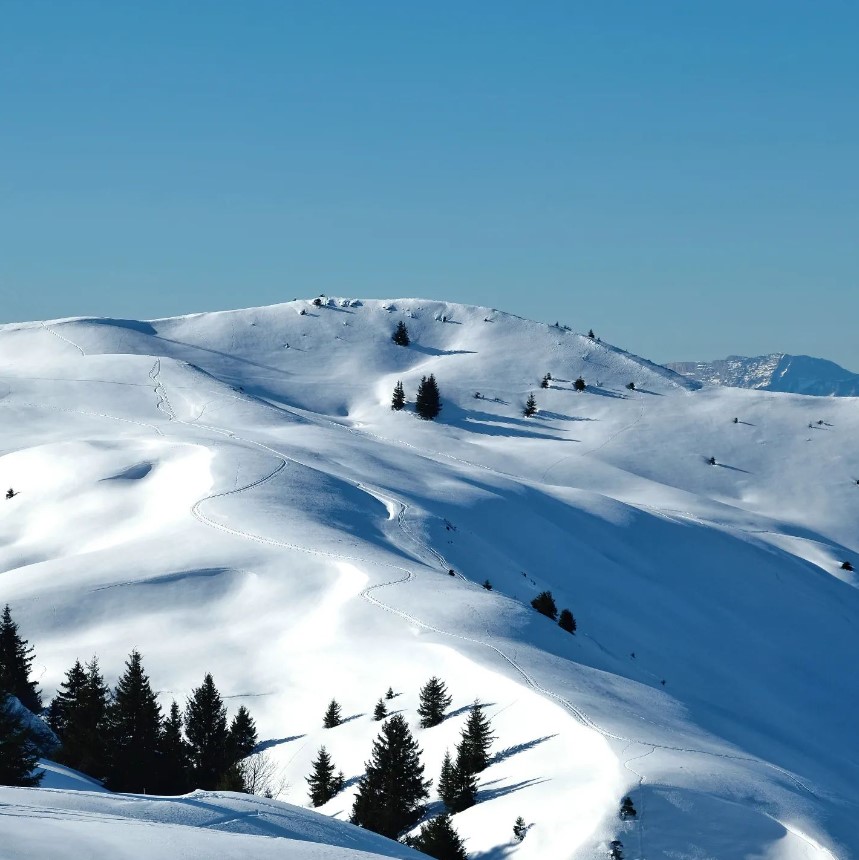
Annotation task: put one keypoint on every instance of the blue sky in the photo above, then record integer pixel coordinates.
(682, 177)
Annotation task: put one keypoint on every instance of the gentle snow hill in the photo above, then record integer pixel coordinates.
(794, 374)
(231, 492)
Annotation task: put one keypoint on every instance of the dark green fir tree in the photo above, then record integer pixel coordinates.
(398, 399)
(473, 749)
(16, 660)
(392, 791)
(243, 735)
(401, 335)
(530, 406)
(175, 754)
(438, 838)
(323, 783)
(434, 701)
(332, 716)
(380, 711)
(19, 754)
(206, 730)
(428, 400)
(567, 621)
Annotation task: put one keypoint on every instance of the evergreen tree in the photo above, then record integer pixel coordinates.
(67, 698)
(487, 585)
(380, 711)
(520, 829)
(392, 790)
(87, 728)
(615, 849)
(544, 383)
(401, 335)
(627, 810)
(206, 730)
(530, 406)
(567, 621)
(438, 838)
(591, 334)
(473, 749)
(323, 782)
(398, 400)
(434, 701)
(390, 694)
(630, 386)
(579, 384)
(457, 786)
(16, 660)
(544, 603)
(332, 716)
(19, 754)
(243, 735)
(135, 728)
(428, 400)
(175, 755)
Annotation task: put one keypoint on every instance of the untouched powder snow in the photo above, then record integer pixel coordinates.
(231, 492)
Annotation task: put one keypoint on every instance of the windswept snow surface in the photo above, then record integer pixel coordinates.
(231, 492)
(795, 374)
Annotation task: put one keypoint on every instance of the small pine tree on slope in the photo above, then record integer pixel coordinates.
(457, 786)
(19, 754)
(428, 399)
(434, 701)
(392, 790)
(66, 699)
(16, 660)
(206, 730)
(567, 621)
(473, 749)
(332, 716)
(175, 757)
(380, 711)
(530, 406)
(135, 727)
(398, 399)
(438, 838)
(544, 603)
(323, 783)
(401, 335)
(242, 735)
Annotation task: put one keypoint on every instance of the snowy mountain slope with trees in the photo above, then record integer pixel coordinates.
(795, 374)
(232, 493)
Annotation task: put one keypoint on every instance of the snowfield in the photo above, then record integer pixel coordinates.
(231, 492)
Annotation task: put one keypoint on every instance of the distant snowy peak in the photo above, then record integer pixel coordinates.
(795, 374)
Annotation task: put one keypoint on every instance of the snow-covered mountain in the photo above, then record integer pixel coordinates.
(231, 492)
(794, 374)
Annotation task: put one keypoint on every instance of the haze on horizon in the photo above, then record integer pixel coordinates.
(681, 179)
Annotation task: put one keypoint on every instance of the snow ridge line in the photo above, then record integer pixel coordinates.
(164, 405)
(55, 333)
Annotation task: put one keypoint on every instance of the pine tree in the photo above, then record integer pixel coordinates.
(520, 829)
(206, 730)
(627, 810)
(591, 334)
(428, 400)
(544, 603)
(579, 384)
(242, 736)
(401, 335)
(544, 383)
(630, 386)
(87, 728)
(398, 400)
(392, 790)
(332, 716)
(487, 585)
(175, 754)
(19, 754)
(473, 749)
(530, 406)
(390, 694)
(434, 701)
(567, 621)
(16, 660)
(67, 698)
(457, 786)
(135, 728)
(438, 838)
(323, 782)
(380, 711)
(615, 849)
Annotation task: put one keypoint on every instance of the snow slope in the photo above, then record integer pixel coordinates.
(231, 492)
(795, 374)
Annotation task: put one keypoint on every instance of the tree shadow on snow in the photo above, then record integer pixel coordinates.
(276, 742)
(431, 350)
(485, 793)
(509, 752)
(350, 719)
(494, 425)
(465, 708)
(733, 468)
(557, 416)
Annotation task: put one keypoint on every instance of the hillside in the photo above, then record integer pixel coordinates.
(231, 492)
(793, 374)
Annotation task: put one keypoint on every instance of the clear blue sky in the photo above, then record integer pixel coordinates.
(681, 176)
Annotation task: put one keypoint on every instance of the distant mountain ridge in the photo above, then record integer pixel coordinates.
(794, 374)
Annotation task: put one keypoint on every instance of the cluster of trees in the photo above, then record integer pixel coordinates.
(427, 401)
(122, 738)
(19, 747)
(545, 604)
